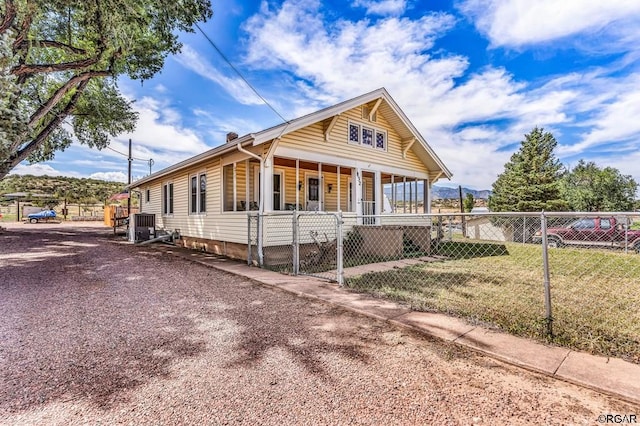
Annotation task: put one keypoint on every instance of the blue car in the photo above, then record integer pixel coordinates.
(44, 215)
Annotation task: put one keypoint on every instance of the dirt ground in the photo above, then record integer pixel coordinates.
(96, 331)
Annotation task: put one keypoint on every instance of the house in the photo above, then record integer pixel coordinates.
(481, 228)
(340, 158)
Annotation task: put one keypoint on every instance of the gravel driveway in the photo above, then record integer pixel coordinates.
(94, 330)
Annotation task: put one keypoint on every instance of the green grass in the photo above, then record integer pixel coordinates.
(595, 293)
(8, 217)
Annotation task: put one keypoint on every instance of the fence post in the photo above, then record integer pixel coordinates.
(340, 251)
(626, 234)
(547, 281)
(249, 241)
(296, 244)
(259, 228)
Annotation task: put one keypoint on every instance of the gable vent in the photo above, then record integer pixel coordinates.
(365, 113)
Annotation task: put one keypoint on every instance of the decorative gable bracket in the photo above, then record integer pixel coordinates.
(328, 127)
(373, 110)
(406, 146)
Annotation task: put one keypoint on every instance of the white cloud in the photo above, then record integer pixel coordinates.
(382, 7)
(344, 59)
(613, 107)
(237, 88)
(110, 176)
(39, 170)
(159, 129)
(518, 23)
(219, 126)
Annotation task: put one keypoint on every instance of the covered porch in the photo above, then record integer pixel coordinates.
(304, 185)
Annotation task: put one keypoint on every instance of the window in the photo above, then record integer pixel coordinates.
(236, 178)
(194, 194)
(314, 192)
(585, 224)
(367, 136)
(381, 140)
(147, 196)
(605, 223)
(167, 198)
(354, 133)
(198, 194)
(277, 191)
(203, 193)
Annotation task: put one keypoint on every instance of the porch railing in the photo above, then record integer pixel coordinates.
(368, 208)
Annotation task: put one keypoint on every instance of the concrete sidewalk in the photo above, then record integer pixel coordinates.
(607, 375)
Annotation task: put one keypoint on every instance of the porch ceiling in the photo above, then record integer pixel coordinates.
(311, 166)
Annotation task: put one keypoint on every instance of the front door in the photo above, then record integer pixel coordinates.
(313, 194)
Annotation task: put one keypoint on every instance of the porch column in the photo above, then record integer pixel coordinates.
(320, 189)
(393, 194)
(267, 184)
(235, 188)
(427, 196)
(338, 183)
(377, 197)
(404, 194)
(297, 183)
(247, 195)
(356, 181)
(410, 197)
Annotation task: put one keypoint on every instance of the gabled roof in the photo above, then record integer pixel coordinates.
(388, 107)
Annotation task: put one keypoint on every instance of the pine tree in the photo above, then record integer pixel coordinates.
(531, 179)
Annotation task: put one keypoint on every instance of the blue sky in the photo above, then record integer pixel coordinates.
(474, 76)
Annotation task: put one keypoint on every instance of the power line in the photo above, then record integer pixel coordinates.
(240, 74)
(125, 155)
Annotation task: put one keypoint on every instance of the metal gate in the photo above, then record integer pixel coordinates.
(317, 245)
(302, 243)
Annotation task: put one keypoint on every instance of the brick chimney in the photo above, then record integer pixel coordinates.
(231, 136)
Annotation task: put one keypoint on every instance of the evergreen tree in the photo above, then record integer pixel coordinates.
(468, 202)
(531, 179)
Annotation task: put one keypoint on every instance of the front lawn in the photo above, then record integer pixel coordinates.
(595, 293)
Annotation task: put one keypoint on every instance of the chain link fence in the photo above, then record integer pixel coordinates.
(581, 289)
(306, 243)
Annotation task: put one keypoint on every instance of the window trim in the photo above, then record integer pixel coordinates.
(168, 198)
(375, 132)
(197, 208)
(202, 207)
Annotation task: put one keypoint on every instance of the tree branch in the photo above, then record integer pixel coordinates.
(22, 154)
(54, 44)
(9, 16)
(62, 91)
(28, 69)
(23, 30)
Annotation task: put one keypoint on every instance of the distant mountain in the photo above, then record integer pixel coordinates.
(442, 192)
(445, 192)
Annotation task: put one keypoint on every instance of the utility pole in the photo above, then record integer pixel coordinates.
(150, 164)
(130, 160)
(463, 219)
